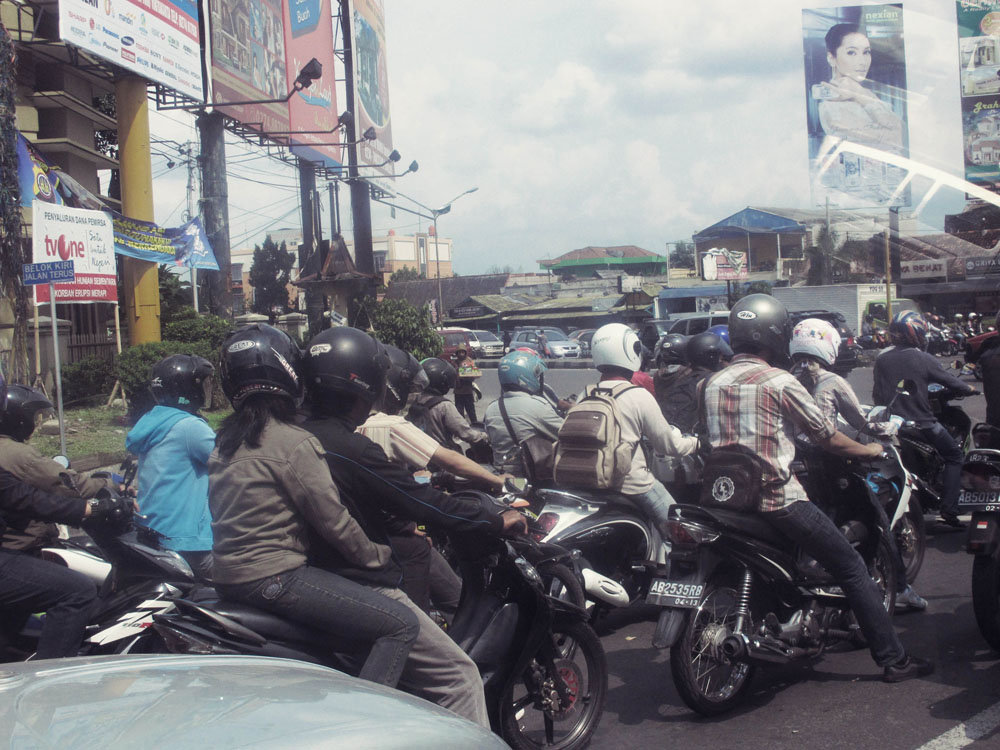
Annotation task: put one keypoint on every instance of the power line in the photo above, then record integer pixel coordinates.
(258, 230)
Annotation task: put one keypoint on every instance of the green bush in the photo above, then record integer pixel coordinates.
(135, 363)
(208, 328)
(399, 323)
(87, 379)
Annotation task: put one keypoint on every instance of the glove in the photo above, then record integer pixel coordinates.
(108, 506)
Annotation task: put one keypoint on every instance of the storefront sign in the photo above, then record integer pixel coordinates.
(923, 269)
(982, 266)
(61, 233)
(470, 311)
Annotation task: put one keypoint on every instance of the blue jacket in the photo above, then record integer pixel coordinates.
(173, 447)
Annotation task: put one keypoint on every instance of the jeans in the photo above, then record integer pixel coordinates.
(445, 584)
(951, 452)
(413, 553)
(357, 617)
(655, 504)
(67, 598)
(816, 534)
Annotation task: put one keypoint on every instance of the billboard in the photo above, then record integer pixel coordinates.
(723, 264)
(979, 76)
(855, 76)
(248, 61)
(156, 39)
(308, 34)
(923, 269)
(371, 86)
(61, 233)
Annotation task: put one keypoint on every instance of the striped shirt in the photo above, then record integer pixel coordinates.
(761, 408)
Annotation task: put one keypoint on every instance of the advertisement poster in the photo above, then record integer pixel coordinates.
(157, 39)
(61, 233)
(371, 88)
(248, 61)
(855, 75)
(186, 245)
(309, 34)
(723, 264)
(979, 75)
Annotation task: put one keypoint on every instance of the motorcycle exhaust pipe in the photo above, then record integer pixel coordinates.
(604, 589)
(741, 648)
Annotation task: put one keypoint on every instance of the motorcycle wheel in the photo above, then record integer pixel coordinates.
(562, 583)
(707, 681)
(531, 714)
(911, 539)
(986, 598)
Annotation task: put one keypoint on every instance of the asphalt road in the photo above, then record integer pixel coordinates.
(836, 701)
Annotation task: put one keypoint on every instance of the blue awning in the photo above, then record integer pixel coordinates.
(692, 291)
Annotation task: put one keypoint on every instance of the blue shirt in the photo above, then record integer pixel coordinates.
(173, 447)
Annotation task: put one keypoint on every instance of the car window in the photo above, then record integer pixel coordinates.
(679, 327)
(697, 325)
(555, 336)
(486, 336)
(454, 339)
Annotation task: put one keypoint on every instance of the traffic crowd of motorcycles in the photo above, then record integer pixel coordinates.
(520, 552)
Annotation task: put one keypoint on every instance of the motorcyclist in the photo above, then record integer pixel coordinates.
(814, 348)
(274, 506)
(443, 422)
(754, 406)
(989, 361)
(346, 370)
(975, 324)
(173, 442)
(21, 409)
(909, 364)
(528, 412)
(617, 354)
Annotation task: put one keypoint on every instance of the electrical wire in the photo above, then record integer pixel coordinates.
(258, 230)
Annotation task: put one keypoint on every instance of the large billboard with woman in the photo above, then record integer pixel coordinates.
(979, 54)
(855, 72)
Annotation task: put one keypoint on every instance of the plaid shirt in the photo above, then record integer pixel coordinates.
(761, 408)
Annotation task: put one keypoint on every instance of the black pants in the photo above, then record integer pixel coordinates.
(466, 405)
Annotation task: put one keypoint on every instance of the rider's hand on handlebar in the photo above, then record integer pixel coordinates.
(875, 450)
(974, 392)
(513, 523)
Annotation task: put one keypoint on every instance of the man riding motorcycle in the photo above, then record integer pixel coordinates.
(753, 407)
(443, 422)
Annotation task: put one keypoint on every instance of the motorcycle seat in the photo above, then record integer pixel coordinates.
(746, 523)
(268, 625)
(605, 497)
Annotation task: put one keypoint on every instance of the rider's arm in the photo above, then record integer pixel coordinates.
(311, 488)
(416, 449)
(465, 467)
(457, 426)
(664, 437)
(17, 497)
(937, 374)
(839, 444)
(199, 439)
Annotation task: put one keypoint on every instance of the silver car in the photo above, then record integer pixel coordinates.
(220, 702)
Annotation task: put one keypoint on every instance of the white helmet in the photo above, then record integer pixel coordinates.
(616, 345)
(817, 338)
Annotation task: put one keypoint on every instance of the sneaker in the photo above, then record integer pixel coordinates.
(910, 598)
(950, 519)
(909, 668)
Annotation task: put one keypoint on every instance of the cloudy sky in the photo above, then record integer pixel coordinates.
(595, 122)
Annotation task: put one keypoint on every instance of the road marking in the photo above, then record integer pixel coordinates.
(967, 732)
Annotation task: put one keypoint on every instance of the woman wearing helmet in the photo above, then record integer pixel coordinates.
(437, 415)
(908, 362)
(173, 443)
(274, 506)
(814, 348)
(522, 411)
(22, 409)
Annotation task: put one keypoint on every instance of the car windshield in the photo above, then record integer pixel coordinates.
(555, 336)
(485, 336)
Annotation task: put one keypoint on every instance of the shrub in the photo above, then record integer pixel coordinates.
(210, 329)
(398, 323)
(136, 362)
(87, 379)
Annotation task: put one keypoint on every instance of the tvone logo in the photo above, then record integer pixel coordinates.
(65, 249)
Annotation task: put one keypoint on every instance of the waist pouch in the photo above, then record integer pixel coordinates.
(732, 480)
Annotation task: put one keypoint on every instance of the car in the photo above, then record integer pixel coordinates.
(454, 339)
(177, 702)
(847, 355)
(583, 337)
(691, 324)
(559, 346)
(490, 347)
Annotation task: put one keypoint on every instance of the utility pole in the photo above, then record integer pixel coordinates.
(361, 209)
(309, 257)
(142, 284)
(189, 150)
(215, 209)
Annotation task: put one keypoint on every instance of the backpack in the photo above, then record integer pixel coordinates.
(420, 413)
(590, 452)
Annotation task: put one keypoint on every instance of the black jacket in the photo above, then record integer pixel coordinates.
(916, 369)
(677, 395)
(989, 360)
(384, 498)
(20, 503)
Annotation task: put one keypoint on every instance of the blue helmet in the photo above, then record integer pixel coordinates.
(722, 331)
(521, 370)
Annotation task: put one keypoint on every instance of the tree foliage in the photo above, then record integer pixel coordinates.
(269, 277)
(175, 296)
(682, 256)
(398, 323)
(819, 259)
(406, 273)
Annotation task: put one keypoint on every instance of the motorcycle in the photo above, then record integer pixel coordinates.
(941, 344)
(741, 595)
(543, 667)
(980, 495)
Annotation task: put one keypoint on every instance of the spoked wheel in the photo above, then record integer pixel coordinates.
(911, 539)
(560, 698)
(706, 679)
(562, 583)
(883, 572)
(986, 598)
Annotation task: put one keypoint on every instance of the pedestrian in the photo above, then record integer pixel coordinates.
(506, 341)
(465, 390)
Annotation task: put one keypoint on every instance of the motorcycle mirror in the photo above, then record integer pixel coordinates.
(62, 461)
(515, 485)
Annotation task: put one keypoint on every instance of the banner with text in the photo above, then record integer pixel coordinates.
(61, 233)
(979, 73)
(371, 87)
(157, 39)
(186, 245)
(923, 269)
(855, 76)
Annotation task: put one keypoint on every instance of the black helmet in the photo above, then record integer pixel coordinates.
(260, 359)
(759, 321)
(708, 350)
(182, 380)
(672, 350)
(441, 377)
(405, 378)
(20, 408)
(345, 361)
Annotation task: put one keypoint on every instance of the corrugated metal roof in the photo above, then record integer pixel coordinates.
(497, 302)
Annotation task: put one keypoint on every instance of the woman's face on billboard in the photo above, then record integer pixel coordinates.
(853, 57)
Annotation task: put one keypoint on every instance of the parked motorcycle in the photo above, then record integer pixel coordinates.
(740, 594)
(980, 495)
(543, 667)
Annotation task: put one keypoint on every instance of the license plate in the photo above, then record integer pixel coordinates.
(979, 499)
(664, 593)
